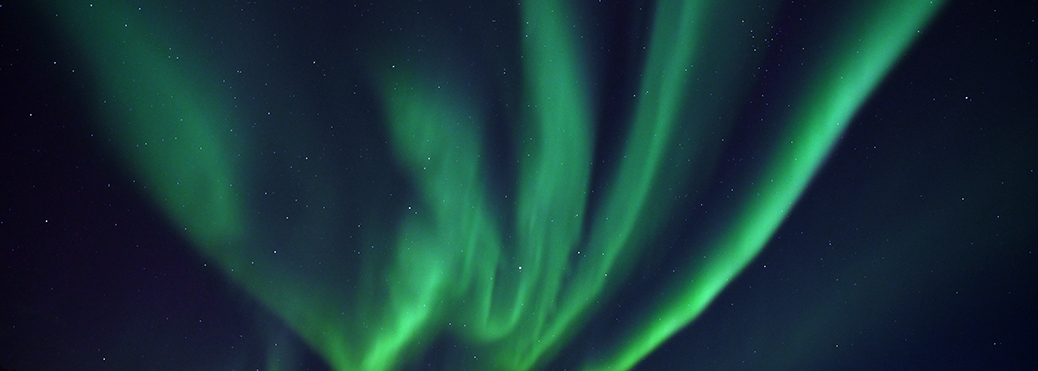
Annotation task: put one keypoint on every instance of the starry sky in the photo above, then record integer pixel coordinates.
(592, 185)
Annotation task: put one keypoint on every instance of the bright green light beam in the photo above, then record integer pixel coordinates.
(614, 231)
(511, 291)
(865, 53)
(554, 170)
(437, 143)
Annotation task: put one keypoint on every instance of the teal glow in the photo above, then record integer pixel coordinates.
(517, 293)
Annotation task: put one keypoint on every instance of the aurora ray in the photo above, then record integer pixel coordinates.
(513, 273)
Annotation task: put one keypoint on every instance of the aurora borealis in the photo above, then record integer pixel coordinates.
(538, 185)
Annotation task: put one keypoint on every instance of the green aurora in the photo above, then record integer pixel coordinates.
(432, 255)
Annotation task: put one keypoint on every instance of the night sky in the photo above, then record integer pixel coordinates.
(553, 185)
